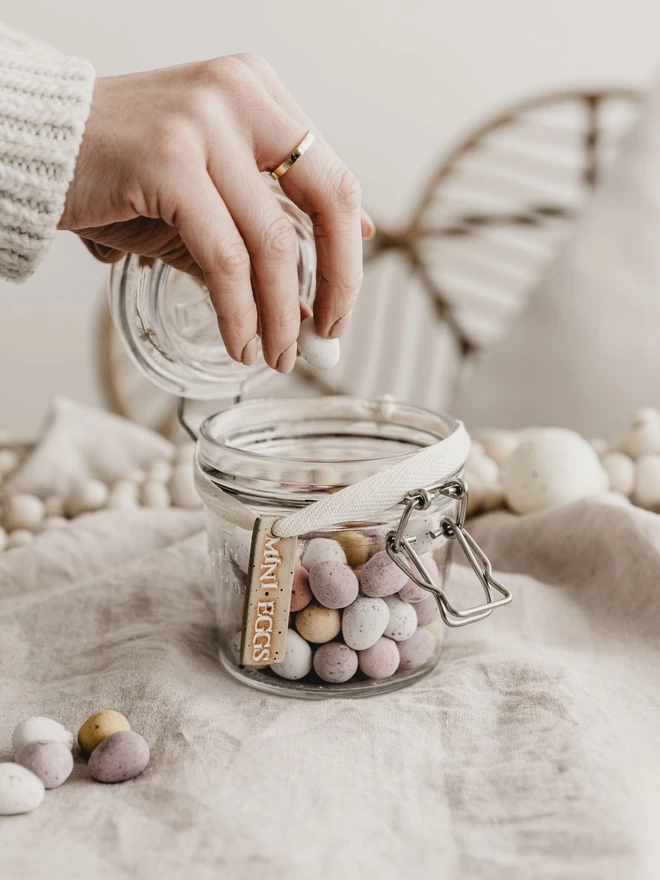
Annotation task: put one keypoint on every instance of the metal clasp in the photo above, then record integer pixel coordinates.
(398, 543)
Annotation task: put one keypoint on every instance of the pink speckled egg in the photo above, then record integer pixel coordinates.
(333, 584)
(417, 650)
(301, 595)
(381, 577)
(427, 610)
(380, 660)
(51, 761)
(335, 662)
(414, 594)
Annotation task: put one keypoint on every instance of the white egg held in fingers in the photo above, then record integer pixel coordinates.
(552, 467)
(317, 351)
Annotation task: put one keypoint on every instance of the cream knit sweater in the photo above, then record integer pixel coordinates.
(44, 102)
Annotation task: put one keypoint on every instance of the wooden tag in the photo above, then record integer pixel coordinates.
(268, 601)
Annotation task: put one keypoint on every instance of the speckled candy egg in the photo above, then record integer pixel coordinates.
(100, 726)
(364, 622)
(122, 756)
(413, 593)
(381, 577)
(322, 550)
(355, 545)
(335, 662)
(427, 611)
(417, 650)
(20, 790)
(403, 619)
(318, 624)
(50, 761)
(319, 352)
(552, 467)
(380, 660)
(333, 584)
(40, 728)
(297, 658)
(86, 497)
(301, 595)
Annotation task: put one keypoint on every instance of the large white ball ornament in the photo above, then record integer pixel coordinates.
(550, 468)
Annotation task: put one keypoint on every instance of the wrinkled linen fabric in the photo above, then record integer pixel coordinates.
(533, 750)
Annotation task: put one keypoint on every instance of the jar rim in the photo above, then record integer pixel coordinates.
(399, 428)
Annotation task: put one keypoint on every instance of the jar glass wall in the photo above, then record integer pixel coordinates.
(357, 625)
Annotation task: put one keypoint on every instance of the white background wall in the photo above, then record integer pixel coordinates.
(390, 82)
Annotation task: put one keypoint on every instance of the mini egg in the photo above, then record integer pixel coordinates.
(100, 726)
(123, 755)
(411, 592)
(355, 545)
(318, 352)
(380, 576)
(38, 727)
(381, 660)
(301, 595)
(333, 584)
(364, 622)
(427, 611)
(403, 619)
(322, 550)
(50, 761)
(335, 662)
(417, 650)
(318, 624)
(182, 488)
(297, 660)
(86, 497)
(20, 790)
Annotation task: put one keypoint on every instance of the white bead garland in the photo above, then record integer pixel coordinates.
(632, 467)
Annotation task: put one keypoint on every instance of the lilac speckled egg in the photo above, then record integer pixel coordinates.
(333, 584)
(380, 660)
(335, 662)
(414, 594)
(427, 610)
(322, 550)
(417, 650)
(121, 756)
(301, 595)
(364, 622)
(403, 619)
(381, 577)
(50, 760)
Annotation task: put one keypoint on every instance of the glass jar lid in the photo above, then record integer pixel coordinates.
(168, 325)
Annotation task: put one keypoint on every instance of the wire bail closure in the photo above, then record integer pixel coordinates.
(398, 544)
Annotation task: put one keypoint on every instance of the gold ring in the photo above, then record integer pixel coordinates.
(299, 151)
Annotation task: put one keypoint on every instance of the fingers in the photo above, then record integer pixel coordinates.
(208, 231)
(322, 186)
(368, 226)
(328, 192)
(272, 244)
(103, 253)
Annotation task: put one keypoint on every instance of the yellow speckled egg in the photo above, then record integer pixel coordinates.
(318, 624)
(100, 726)
(355, 545)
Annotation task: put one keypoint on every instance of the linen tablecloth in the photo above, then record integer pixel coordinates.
(533, 750)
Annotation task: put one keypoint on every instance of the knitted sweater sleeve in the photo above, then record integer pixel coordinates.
(44, 102)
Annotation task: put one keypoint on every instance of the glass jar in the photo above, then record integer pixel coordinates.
(368, 603)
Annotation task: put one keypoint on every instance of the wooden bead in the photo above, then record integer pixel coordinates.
(88, 496)
(155, 495)
(620, 471)
(23, 511)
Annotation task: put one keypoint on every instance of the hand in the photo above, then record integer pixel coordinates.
(169, 168)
